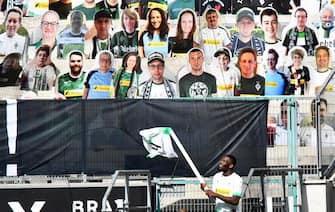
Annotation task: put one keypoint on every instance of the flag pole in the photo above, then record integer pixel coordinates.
(186, 156)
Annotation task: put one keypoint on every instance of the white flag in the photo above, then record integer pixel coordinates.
(157, 141)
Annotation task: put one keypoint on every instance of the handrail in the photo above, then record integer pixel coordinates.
(125, 173)
(262, 170)
(297, 196)
(330, 169)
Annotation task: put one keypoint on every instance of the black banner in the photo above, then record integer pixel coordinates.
(101, 136)
(66, 199)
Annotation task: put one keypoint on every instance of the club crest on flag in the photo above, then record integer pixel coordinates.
(157, 141)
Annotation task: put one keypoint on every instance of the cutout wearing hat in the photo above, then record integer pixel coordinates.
(210, 10)
(245, 12)
(156, 56)
(224, 51)
(245, 23)
(102, 14)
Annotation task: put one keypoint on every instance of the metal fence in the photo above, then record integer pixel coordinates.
(273, 189)
(173, 195)
(288, 119)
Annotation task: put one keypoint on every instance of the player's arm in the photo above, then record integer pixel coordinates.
(231, 200)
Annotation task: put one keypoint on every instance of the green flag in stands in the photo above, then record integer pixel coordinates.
(157, 141)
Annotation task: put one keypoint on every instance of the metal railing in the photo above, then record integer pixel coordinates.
(175, 194)
(127, 176)
(287, 196)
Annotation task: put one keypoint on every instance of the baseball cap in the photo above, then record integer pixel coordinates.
(245, 12)
(210, 10)
(156, 56)
(224, 51)
(102, 14)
